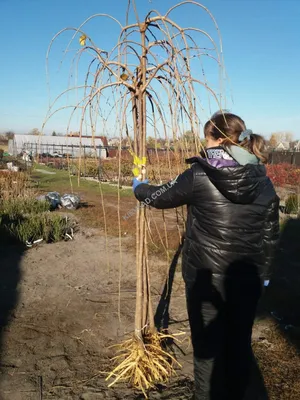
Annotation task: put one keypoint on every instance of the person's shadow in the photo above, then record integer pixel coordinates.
(222, 309)
(10, 258)
(282, 297)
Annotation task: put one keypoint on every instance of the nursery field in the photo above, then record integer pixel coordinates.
(65, 302)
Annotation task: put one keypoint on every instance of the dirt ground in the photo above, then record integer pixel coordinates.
(66, 317)
(59, 313)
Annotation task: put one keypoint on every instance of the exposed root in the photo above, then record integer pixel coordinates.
(144, 364)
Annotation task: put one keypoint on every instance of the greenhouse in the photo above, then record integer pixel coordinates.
(57, 146)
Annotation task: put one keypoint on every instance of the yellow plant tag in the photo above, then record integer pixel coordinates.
(136, 172)
(82, 40)
(139, 163)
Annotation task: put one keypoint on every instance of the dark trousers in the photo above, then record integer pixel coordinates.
(221, 314)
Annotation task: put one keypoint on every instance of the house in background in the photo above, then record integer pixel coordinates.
(296, 145)
(115, 141)
(282, 146)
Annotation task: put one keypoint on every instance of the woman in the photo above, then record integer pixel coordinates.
(231, 232)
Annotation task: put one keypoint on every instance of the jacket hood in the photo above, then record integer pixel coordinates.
(242, 156)
(241, 184)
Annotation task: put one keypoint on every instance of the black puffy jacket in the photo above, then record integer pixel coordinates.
(233, 216)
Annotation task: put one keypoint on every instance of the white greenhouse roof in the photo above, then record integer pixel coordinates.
(57, 140)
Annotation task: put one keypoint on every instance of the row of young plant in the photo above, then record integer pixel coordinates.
(280, 174)
(23, 219)
(111, 170)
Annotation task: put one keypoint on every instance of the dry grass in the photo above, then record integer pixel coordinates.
(14, 184)
(4, 146)
(279, 363)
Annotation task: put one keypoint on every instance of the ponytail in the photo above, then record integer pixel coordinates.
(256, 145)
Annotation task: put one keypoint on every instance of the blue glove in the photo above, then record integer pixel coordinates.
(137, 182)
(266, 283)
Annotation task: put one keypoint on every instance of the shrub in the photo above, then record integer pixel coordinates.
(284, 174)
(17, 162)
(292, 204)
(16, 208)
(49, 227)
(13, 184)
(27, 219)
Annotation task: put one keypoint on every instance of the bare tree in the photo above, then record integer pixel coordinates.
(279, 137)
(289, 137)
(152, 80)
(274, 141)
(35, 132)
(9, 135)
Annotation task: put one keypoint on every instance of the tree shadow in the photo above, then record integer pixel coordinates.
(282, 297)
(11, 255)
(162, 316)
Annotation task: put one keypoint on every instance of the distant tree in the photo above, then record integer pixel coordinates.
(151, 142)
(34, 132)
(154, 143)
(273, 140)
(126, 142)
(54, 133)
(289, 137)
(9, 135)
(161, 143)
(279, 137)
(74, 134)
(203, 142)
(189, 137)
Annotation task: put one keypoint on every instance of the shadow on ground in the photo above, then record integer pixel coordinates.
(282, 297)
(255, 388)
(162, 316)
(11, 255)
(279, 310)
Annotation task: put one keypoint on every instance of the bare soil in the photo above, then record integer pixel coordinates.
(59, 312)
(66, 316)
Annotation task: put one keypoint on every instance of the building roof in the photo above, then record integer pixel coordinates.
(58, 140)
(283, 145)
(297, 145)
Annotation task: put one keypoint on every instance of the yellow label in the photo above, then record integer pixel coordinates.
(136, 172)
(82, 40)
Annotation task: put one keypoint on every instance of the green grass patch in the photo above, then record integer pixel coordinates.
(61, 181)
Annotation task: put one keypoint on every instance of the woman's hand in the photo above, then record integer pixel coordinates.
(136, 182)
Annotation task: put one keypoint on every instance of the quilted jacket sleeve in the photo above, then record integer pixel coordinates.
(170, 195)
(271, 235)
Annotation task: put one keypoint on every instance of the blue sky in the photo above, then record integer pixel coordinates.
(261, 41)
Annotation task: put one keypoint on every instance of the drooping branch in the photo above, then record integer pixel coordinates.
(146, 84)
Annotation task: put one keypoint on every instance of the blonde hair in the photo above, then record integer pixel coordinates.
(229, 127)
